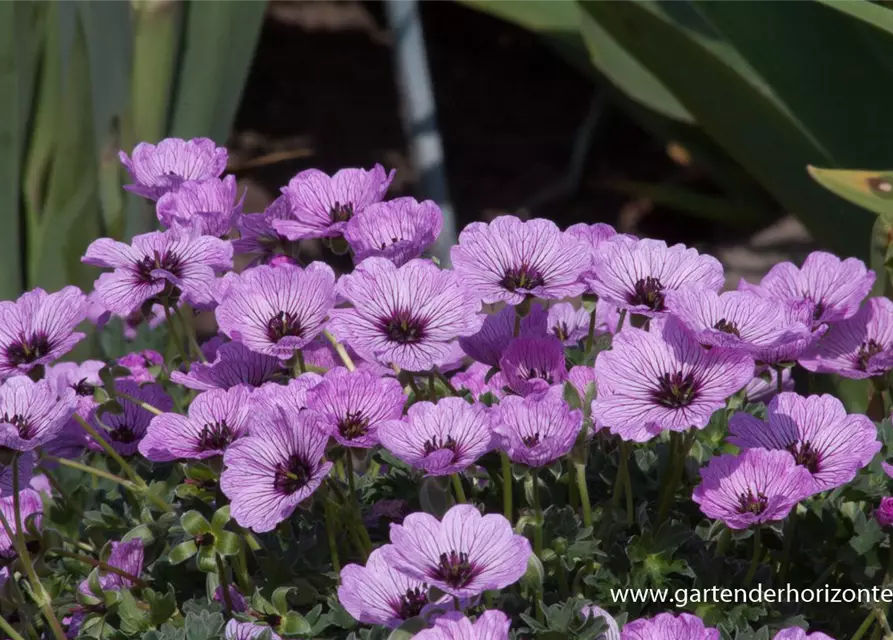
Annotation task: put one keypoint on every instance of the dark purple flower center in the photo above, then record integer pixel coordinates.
(648, 292)
(806, 455)
(819, 311)
(523, 277)
(341, 212)
(123, 433)
(412, 602)
(27, 350)
(727, 327)
(216, 436)
(384, 245)
(353, 425)
(169, 262)
(536, 374)
(866, 352)
(531, 441)
(83, 388)
(20, 423)
(403, 328)
(675, 390)
(436, 444)
(561, 331)
(748, 503)
(455, 569)
(292, 475)
(282, 325)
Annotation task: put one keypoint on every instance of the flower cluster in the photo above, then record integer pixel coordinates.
(414, 420)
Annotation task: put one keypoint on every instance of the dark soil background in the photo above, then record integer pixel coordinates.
(322, 93)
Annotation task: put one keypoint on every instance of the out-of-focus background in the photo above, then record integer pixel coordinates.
(692, 121)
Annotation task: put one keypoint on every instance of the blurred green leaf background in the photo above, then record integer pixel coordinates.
(755, 92)
(80, 80)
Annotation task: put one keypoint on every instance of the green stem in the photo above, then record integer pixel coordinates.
(580, 469)
(189, 330)
(790, 527)
(410, 380)
(458, 490)
(755, 559)
(363, 533)
(538, 510)
(680, 447)
(573, 495)
(628, 484)
(620, 321)
(330, 532)
(865, 626)
(506, 486)
(341, 351)
(12, 633)
(143, 405)
(779, 380)
(300, 367)
(224, 586)
(241, 568)
(432, 388)
(516, 330)
(446, 382)
(99, 473)
(174, 333)
(723, 543)
(622, 469)
(590, 337)
(93, 562)
(41, 596)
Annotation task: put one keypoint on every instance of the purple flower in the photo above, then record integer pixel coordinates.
(537, 429)
(474, 379)
(407, 316)
(83, 380)
(612, 632)
(636, 275)
(817, 431)
(572, 325)
(127, 556)
(32, 414)
(581, 378)
(490, 625)
(796, 633)
(271, 398)
(653, 381)
(442, 438)
(488, 344)
(139, 363)
(30, 505)
(258, 238)
(235, 364)
(26, 464)
(858, 347)
(353, 404)
(275, 468)
(321, 206)
(508, 260)
(593, 236)
(170, 263)
(277, 310)
(125, 430)
(666, 626)
(236, 630)
(157, 169)
(834, 288)
(884, 513)
(463, 555)
(38, 328)
(208, 205)
(238, 601)
(764, 385)
(378, 594)
(736, 320)
(216, 419)
(757, 486)
(399, 230)
(533, 365)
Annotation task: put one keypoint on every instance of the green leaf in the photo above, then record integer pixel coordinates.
(872, 190)
(194, 523)
(280, 599)
(207, 559)
(133, 619)
(161, 606)
(220, 519)
(435, 496)
(408, 629)
(227, 543)
(294, 624)
(183, 552)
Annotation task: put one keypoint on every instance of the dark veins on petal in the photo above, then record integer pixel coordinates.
(531, 441)
(403, 327)
(648, 292)
(28, 349)
(292, 475)
(215, 436)
(341, 212)
(169, 262)
(436, 444)
(455, 569)
(523, 277)
(412, 602)
(819, 311)
(675, 390)
(866, 352)
(748, 503)
(284, 324)
(806, 455)
(20, 423)
(353, 425)
(727, 327)
(536, 374)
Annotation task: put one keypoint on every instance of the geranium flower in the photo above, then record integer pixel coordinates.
(666, 626)
(234, 364)
(612, 632)
(211, 206)
(593, 236)
(272, 398)
(489, 343)
(571, 325)
(30, 505)
(157, 169)
(26, 462)
(127, 556)
(399, 230)
(236, 630)
(32, 414)
(533, 365)
(490, 625)
(82, 379)
(537, 429)
(796, 633)
(883, 514)
(125, 430)
(258, 238)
